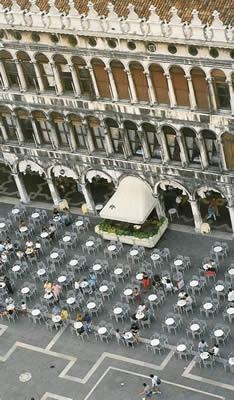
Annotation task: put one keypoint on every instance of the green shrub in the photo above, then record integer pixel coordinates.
(147, 230)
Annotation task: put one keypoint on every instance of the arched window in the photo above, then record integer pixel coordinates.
(10, 68)
(28, 70)
(46, 71)
(228, 146)
(160, 84)
(172, 143)
(180, 86)
(84, 78)
(140, 81)
(115, 136)
(191, 146)
(121, 79)
(25, 125)
(102, 78)
(97, 133)
(200, 88)
(64, 73)
(221, 89)
(133, 139)
(60, 129)
(78, 131)
(152, 141)
(211, 147)
(43, 127)
(8, 124)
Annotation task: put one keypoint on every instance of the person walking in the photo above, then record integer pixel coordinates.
(211, 212)
(155, 383)
(146, 392)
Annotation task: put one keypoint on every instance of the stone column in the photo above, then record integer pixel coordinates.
(171, 92)
(160, 210)
(24, 197)
(196, 214)
(53, 190)
(3, 129)
(165, 155)
(211, 94)
(146, 152)
(39, 77)
(131, 86)
(54, 137)
(183, 153)
(229, 82)
(107, 142)
(70, 134)
(222, 154)
(88, 198)
(21, 75)
(203, 155)
(18, 128)
(58, 83)
(114, 92)
(93, 78)
(231, 213)
(192, 98)
(36, 134)
(4, 76)
(76, 84)
(152, 96)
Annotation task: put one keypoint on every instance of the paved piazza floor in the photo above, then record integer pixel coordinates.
(62, 367)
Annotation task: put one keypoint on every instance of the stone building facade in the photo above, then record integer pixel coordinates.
(112, 90)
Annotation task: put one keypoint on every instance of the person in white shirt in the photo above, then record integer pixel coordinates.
(29, 243)
(214, 351)
(141, 307)
(155, 384)
(231, 295)
(202, 346)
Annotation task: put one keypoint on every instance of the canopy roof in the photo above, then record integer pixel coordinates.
(132, 202)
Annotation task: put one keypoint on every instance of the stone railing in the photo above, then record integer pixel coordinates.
(153, 27)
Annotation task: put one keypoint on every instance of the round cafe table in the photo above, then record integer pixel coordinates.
(118, 271)
(2, 284)
(48, 295)
(178, 263)
(181, 347)
(84, 284)
(194, 283)
(181, 303)
(66, 238)
(89, 243)
(218, 333)
(155, 257)
(231, 360)
(10, 307)
(71, 300)
(102, 330)
(207, 306)
(91, 305)
(103, 288)
(23, 229)
(134, 252)
(79, 223)
(78, 325)
(169, 321)
(155, 342)
(112, 247)
(62, 278)
(140, 315)
(2, 225)
(16, 268)
(152, 297)
(73, 262)
(139, 276)
(25, 290)
(230, 310)
(35, 215)
(217, 249)
(35, 312)
(97, 267)
(99, 207)
(219, 288)
(205, 355)
(56, 318)
(194, 327)
(44, 235)
(118, 310)
(15, 211)
(231, 271)
(127, 292)
(41, 271)
(128, 335)
(54, 255)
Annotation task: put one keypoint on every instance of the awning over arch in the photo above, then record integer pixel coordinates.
(132, 202)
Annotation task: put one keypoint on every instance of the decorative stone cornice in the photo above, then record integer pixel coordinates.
(93, 23)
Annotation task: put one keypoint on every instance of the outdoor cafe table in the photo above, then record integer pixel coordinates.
(205, 355)
(54, 255)
(44, 235)
(73, 262)
(35, 312)
(25, 290)
(231, 361)
(218, 333)
(194, 327)
(178, 263)
(48, 295)
(217, 250)
(181, 347)
(194, 283)
(84, 284)
(79, 223)
(16, 268)
(15, 211)
(78, 325)
(89, 243)
(66, 238)
(23, 229)
(56, 318)
(231, 271)
(169, 321)
(139, 276)
(102, 330)
(71, 300)
(41, 271)
(155, 257)
(118, 310)
(2, 225)
(152, 297)
(2, 284)
(128, 292)
(62, 278)
(97, 267)
(207, 306)
(219, 288)
(140, 315)
(103, 288)
(112, 247)
(91, 305)
(230, 310)
(35, 215)
(181, 303)
(128, 335)
(155, 342)
(118, 271)
(134, 252)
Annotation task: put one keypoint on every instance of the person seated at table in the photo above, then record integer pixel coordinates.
(56, 310)
(29, 243)
(120, 336)
(2, 248)
(44, 229)
(55, 213)
(20, 254)
(188, 300)
(77, 285)
(209, 267)
(8, 285)
(37, 245)
(3, 310)
(147, 314)
(202, 346)
(214, 351)
(4, 258)
(87, 321)
(182, 295)
(135, 331)
(8, 245)
(9, 300)
(137, 295)
(141, 307)
(47, 286)
(2, 277)
(51, 230)
(56, 289)
(92, 281)
(156, 281)
(21, 224)
(168, 284)
(30, 252)
(64, 314)
(230, 294)
(146, 281)
(79, 317)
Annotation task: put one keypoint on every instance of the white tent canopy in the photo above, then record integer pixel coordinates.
(132, 202)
